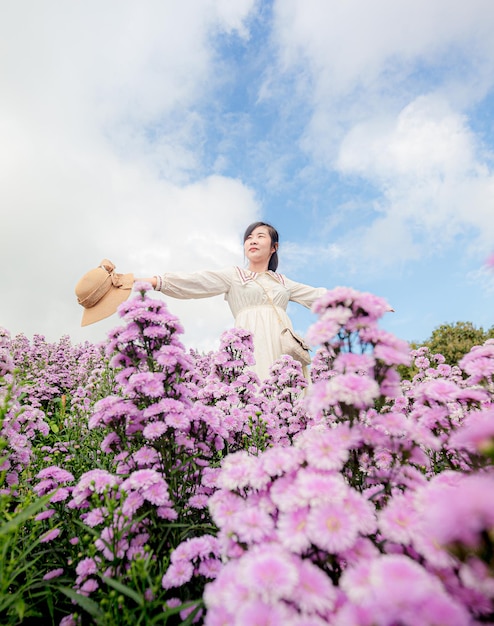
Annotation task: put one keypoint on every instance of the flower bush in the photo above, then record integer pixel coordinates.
(144, 483)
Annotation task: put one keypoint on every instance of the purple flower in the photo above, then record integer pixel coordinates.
(326, 448)
(56, 473)
(88, 586)
(50, 535)
(330, 527)
(54, 573)
(396, 589)
(157, 493)
(177, 574)
(45, 515)
(349, 389)
(154, 430)
(477, 432)
(147, 384)
(86, 567)
(459, 511)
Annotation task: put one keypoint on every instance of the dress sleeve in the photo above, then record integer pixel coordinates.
(304, 294)
(196, 285)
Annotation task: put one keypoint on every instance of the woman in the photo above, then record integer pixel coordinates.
(258, 296)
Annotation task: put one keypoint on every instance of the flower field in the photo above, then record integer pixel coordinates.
(143, 483)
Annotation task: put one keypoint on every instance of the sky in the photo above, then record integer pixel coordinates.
(152, 133)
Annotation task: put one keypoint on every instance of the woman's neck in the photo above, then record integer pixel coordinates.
(258, 268)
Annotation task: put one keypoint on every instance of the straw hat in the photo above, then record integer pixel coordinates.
(100, 291)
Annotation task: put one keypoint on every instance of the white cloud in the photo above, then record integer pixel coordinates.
(387, 87)
(101, 128)
(434, 179)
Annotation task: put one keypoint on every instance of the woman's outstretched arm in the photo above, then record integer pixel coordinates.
(151, 281)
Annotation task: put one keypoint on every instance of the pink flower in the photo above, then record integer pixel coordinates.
(236, 470)
(269, 573)
(292, 530)
(86, 567)
(351, 389)
(89, 586)
(223, 505)
(54, 573)
(458, 512)
(145, 456)
(210, 568)
(477, 432)
(348, 362)
(180, 421)
(50, 535)
(58, 474)
(196, 547)
(147, 383)
(96, 481)
(396, 589)
(276, 460)
(362, 511)
(177, 574)
(132, 503)
(154, 430)
(141, 479)
(326, 448)
(337, 297)
(314, 487)
(261, 614)
(479, 362)
(95, 517)
(330, 527)
(252, 524)
(157, 493)
(438, 390)
(327, 327)
(398, 520)
(199, 501)
(315, 592)
(45, 515)
(61, 494)
(111, 441)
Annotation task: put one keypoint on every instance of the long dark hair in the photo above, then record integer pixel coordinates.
(273, 233)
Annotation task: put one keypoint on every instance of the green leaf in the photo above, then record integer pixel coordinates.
(90, 606)
(121, 588)
(23, 516)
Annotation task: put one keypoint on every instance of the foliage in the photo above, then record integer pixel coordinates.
(452, 341)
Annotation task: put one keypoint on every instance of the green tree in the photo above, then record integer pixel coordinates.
(453, 341)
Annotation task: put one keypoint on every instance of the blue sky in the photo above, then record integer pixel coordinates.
(154, 133)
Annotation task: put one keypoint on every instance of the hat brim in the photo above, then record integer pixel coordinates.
(108, 304)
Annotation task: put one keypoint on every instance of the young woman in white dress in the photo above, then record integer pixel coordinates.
(258, 296)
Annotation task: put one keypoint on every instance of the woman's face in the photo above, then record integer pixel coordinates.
(258, 246)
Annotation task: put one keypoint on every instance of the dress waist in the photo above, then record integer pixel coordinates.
(268, 307)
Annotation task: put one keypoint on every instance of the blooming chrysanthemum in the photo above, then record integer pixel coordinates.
(326, 448)
(252, 525)
(398, 520)
(291, 529)
(269, 572)
(350, 389)
(177, 574)
(331, 527)
(315, 592)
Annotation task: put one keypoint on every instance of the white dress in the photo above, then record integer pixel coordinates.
(248, 302)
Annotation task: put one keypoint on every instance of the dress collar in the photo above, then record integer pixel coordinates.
(247, 276)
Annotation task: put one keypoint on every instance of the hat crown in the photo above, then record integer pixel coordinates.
(93, 286)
